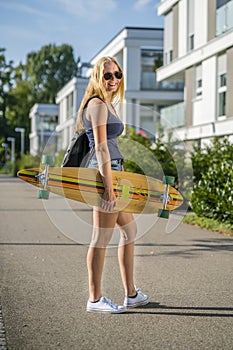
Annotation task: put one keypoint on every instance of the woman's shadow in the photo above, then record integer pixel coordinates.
(155, 308)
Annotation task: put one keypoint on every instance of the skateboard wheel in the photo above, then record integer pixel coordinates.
(168, 180)
(43, 194)
(163, 213)
(47, 160)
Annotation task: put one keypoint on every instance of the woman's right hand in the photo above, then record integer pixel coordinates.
(108, 201)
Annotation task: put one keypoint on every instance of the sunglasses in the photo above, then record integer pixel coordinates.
(108, 75)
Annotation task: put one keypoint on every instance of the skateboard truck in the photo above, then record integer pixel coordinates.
(44, 177)
(167, 180)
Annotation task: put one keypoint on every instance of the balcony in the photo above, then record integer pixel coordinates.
(224, 18)
(149, 82)
(173, 116)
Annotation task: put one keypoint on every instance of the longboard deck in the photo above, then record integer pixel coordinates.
(135, 193)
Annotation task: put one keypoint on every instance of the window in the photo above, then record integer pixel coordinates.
(223, 80)
(198, 80)
(222, 104)
(69, 105)
(168, 38)
(191, 42)
(222, 85)
(151, 59)
(190, 16)
(47, 122)
(170, 55)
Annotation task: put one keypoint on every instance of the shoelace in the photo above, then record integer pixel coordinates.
(109, 302)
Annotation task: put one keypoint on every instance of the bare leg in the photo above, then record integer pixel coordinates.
(95, 263)
(103, 225)
(128, 228)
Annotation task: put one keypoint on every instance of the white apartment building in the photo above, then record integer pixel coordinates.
(44, 119)
(198, 50)
(68, 100)
(139, 51)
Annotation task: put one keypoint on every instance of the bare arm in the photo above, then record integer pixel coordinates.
(98, 113)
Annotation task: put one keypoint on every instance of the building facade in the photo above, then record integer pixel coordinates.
(198, 51)
(44, 119)
(140, 52)
(68, 101)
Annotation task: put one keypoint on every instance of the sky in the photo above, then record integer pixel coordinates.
(86, 25)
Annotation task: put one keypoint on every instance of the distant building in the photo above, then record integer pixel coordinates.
(198, 51)
(139, 52)
(44, 119)
(68, 100)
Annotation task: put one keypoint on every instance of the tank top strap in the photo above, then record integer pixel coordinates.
(91, 99)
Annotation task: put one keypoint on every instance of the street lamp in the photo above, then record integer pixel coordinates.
(12, 140)
(5, 145)
(22, 131)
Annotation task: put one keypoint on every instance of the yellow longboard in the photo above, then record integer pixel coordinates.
(135, 193)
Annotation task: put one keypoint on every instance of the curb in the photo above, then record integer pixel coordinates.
(3, 345)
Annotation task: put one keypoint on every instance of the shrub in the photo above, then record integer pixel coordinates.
(213, 182)
(59, 158)
(219, 150)
(144, 157)
(157, 158)
(26, 162)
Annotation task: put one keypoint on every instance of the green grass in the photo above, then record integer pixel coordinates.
(209, 224)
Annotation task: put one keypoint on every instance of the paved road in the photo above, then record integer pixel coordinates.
(187, 273)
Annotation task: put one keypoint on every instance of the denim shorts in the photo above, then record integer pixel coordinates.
(116, 164)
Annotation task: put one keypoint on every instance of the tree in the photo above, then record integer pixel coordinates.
(7, 74)
(37, 81)
(18, 114)
(48, 70)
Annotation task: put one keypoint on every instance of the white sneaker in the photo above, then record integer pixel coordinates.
(106, 306)
(140, 300)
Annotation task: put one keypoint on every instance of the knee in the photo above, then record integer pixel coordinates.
(100, 237)
(128, 233)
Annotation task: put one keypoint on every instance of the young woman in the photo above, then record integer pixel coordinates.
(99, 118)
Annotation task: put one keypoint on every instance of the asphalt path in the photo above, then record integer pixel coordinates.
(186, 271)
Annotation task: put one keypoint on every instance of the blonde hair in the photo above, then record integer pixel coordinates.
(96, 87)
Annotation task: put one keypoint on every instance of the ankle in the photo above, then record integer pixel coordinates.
(93, 298)
(131, 292)
(133, 295)
(94, 301)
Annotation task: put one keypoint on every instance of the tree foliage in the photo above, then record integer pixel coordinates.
(48, 70)
(7, 75)
(37, 81)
